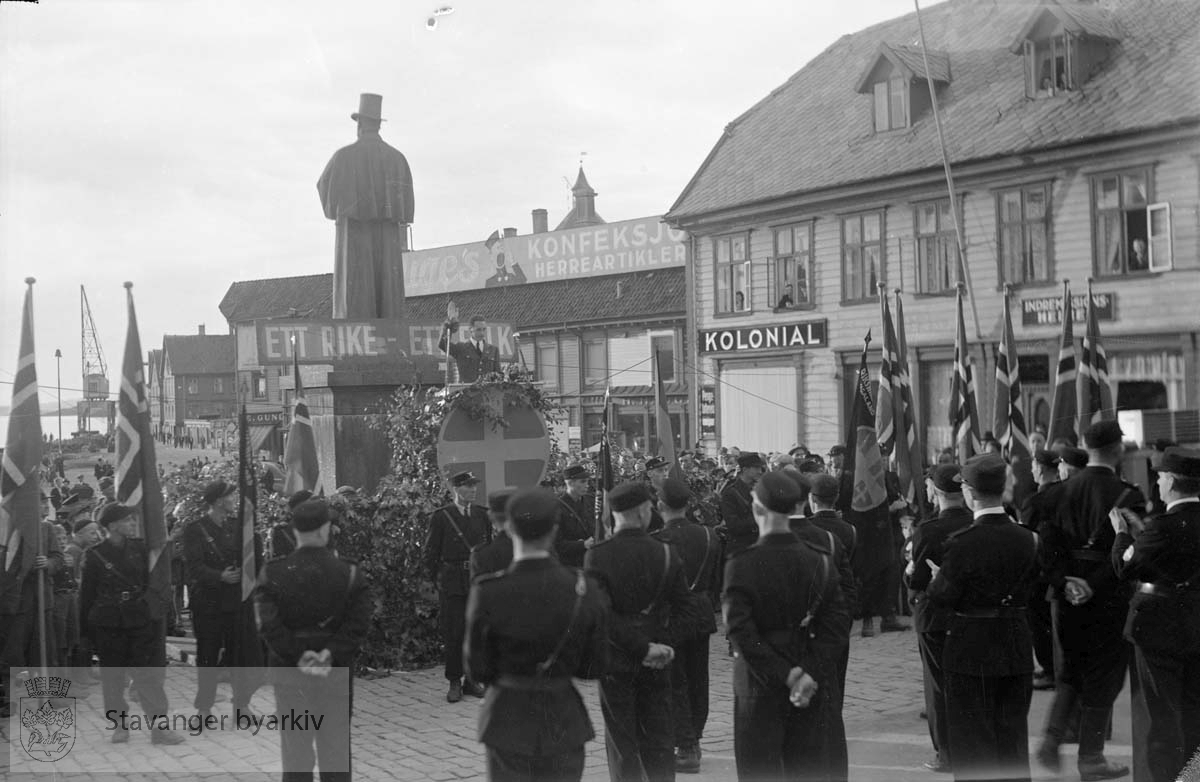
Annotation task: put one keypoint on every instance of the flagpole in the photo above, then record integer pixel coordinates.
(41, 543)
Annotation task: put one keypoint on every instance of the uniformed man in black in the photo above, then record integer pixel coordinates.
(1035, 507)
(657, 470)
(576, 517)
(699, 550)
(1090, 602)
(737, 512)
(283, 536)
(530, 628)
(125, 623)
(313, 611)
(1163, 560)
(1071, 461)
(496, 554)
(930, 619)
(777, 600)
(984, 582)
(455, 529)
(650, 607)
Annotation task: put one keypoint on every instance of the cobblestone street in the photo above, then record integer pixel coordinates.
(404, 729)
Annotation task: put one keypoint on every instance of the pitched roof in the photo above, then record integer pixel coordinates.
(200, 354)
(910, 61)
(154, 364)
(310, 296)
(814, 132)
(581, 186)
(1076, 18)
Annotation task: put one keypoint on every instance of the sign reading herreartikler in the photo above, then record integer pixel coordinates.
(806, 334)
(1048, 310)
(327, 341)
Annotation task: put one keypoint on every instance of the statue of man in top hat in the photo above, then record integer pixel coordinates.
(367, 188)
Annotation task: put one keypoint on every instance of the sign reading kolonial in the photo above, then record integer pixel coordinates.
(1045, 311)
(613, 248)
(327, 341)
(806, 334)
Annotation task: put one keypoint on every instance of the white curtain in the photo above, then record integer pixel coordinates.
(758, 408)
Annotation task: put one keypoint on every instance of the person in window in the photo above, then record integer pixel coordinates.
(786, 300)
(1139, 257)
(739, 302)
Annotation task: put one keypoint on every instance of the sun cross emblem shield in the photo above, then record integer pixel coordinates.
(513, 455)
(47, 719)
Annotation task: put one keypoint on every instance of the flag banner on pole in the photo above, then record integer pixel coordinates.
(887, 395)
(137, 469)
(1063, 405)
(664, 432)
(1008, 422)
(300, 455)
(603, 511)
(863, 460)
(908, 453)
(1095, 394)
(964, 415)
(20, 486)
(248, 508)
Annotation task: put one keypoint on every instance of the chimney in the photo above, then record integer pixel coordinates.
(541, 222)
(201, 330)
(510, 233)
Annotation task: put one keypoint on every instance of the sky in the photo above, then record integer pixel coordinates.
(177, 144)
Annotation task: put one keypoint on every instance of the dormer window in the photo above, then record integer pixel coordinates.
(895, 77)
(1062, 47)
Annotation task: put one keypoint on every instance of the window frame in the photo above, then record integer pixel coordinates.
(942, 234)
(586, 366)
(1100, 269)
(807, 259)
(720, 267)
(890, 84)
(192, 384)
(872, 295)
(1001, 224)
(1031, 50)
(554, 383)
(666, 335)
(218, 385)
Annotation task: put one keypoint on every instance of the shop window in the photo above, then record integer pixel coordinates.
(663, 346)
(547, 365)
(936, 257)
(862, 256)
(595, 363)
(1132, 234)
(593, 428)
(891, 104)
(936, 377)
(731, 255)
(792, 266)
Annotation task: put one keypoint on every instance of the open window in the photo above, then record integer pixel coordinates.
(1062, 47)
(1132, 233)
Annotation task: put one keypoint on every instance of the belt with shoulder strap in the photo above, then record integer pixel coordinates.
(998, 612)
(524, 683)
(1168, 590)
(1089, 555)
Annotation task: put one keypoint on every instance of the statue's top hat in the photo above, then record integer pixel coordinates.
(370, 106)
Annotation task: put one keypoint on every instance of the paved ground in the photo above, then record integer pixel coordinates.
(404, 730)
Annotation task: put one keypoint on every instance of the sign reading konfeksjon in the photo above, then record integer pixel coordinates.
(806, 334)
(614, 248)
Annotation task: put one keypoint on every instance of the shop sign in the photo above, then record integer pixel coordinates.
(326, 341)
(1048, 310)
(708, 411)
(265, 419)
(806, 334)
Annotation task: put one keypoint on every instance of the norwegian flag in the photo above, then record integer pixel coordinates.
(1063, 405)
(964, 415)
(137, 469)
(1095, 394)
(20, 488)
(908, 454)
(607, 480)
(300, 456)
(1008, 423)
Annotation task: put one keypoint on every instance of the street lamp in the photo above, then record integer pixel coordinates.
(58, 357)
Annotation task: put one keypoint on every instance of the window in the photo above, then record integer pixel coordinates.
(862, 256)
(595, 363)
(891, 104)
(1132, 234)
(1048, 66)
(663, 346)
(732, 258)
(547, 364)
(937, 257)
(792, 266)
(258, 382)
(193, 386)
(218, 385)
(1024, 221)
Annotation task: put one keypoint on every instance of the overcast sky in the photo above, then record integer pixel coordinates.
(178, 144)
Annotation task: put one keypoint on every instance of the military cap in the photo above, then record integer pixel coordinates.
(533, 512)
(106, 482)
(310, 515)
(799, 450)
(986, 473)
(837, 450)
(1102, 433)
(498, 499)
(464, 478)
(299, 497)
(346, 490)
(1184, 462)
(81, 524)
(944, 477)
(811, 464)
(83, 491)
(823, 486)
(750, 459)
(216, 490)
(575, 472)
(113, 511)
(654, 462)
(778, 493)
(675, 494)
(1076, 457)
(627, 496)
(1046, 458)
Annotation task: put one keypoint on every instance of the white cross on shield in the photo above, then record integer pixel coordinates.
(515, 455)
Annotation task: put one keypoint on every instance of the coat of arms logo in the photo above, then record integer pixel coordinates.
(47, 718)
